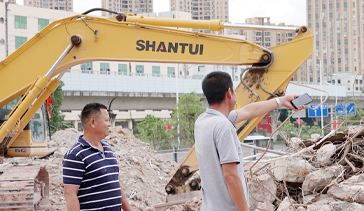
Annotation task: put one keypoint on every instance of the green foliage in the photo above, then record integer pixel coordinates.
(57, 117)
(189, 108)
(303, 131)
(153, 131)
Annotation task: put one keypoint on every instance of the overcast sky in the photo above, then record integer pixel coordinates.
(280, 11)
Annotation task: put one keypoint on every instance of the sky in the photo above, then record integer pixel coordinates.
(290, 12)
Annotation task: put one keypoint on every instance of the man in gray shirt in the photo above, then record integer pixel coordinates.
(218, 150)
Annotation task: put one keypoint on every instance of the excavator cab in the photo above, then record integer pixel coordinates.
(32, 141)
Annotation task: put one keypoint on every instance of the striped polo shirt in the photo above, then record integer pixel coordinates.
(96, 173)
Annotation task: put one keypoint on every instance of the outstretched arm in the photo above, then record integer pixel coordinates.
(254, 110)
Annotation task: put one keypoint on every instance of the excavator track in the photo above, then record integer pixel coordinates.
(24, 188)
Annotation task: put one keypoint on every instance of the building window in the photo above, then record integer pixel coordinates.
(19, 41)
(139, 69)
(171, 71)
(42, 23)
(123, 69)
(156, 70)
(104, 68)
(86, 67)
(20, 22)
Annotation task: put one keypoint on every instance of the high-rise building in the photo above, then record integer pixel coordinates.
(268, 38)
(132, 6)
(66, 5)
(203, 9)
(10, 1)
(337, 27)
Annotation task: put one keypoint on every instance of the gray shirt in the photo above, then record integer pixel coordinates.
(216, 143)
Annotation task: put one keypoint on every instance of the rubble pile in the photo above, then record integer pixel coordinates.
(191, 205)
(323, 173)
(143, 172)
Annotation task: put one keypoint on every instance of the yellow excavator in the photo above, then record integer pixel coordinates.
(30, 74)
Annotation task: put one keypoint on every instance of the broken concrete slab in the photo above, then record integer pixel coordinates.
(264, 206)
(258, 193)
(351, 190)
(286, 205)
(325, 153)
(293, 169)
(317, 180)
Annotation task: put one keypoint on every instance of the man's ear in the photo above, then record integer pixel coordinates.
(228, 93)
(92, 122)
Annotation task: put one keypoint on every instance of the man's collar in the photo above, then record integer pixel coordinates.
(214, 112)
(84, 143)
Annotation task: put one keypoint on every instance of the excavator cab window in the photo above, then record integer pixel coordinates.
(38, 126)
(5, 110)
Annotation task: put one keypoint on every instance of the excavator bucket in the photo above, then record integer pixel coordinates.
(24, 188)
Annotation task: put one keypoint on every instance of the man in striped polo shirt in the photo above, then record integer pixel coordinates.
(90, 169)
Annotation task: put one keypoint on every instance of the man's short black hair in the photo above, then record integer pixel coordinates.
(91, 110)
(215, 85)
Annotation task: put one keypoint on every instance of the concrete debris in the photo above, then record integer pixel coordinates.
(143, 172)
(286, 205)
(315, 137)
(351, 190)
(264, 206)
(294, 143)
(325, 153)
(261, 192)
(192, 205)
(317, 180)
(293, 169)
(328, 176)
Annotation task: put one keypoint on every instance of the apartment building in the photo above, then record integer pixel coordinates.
(10, 1)
(338, 45)
(203, 9)
(268, 38)
(132, 6)
(66, 5)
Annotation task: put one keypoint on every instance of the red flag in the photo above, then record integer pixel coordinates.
(49, 102)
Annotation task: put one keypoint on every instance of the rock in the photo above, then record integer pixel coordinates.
(286, 205)
(259, 196)
(315, 137)
(292, 169)
(325, 153)
(351, 190)
(58, 154)
(319, 207)
(317, 180)
(264, 206)
(295, 143)
(308, 199)
(346, 206)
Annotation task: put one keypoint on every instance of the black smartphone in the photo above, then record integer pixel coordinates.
(301, 100)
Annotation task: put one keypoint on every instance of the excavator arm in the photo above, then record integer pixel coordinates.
(33, 71)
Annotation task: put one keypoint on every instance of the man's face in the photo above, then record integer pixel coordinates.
(102, 123)
(233, 99)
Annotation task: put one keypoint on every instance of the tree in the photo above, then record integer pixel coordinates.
(56, 121)
(304, 131)
(153, 131)
(188, 109)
